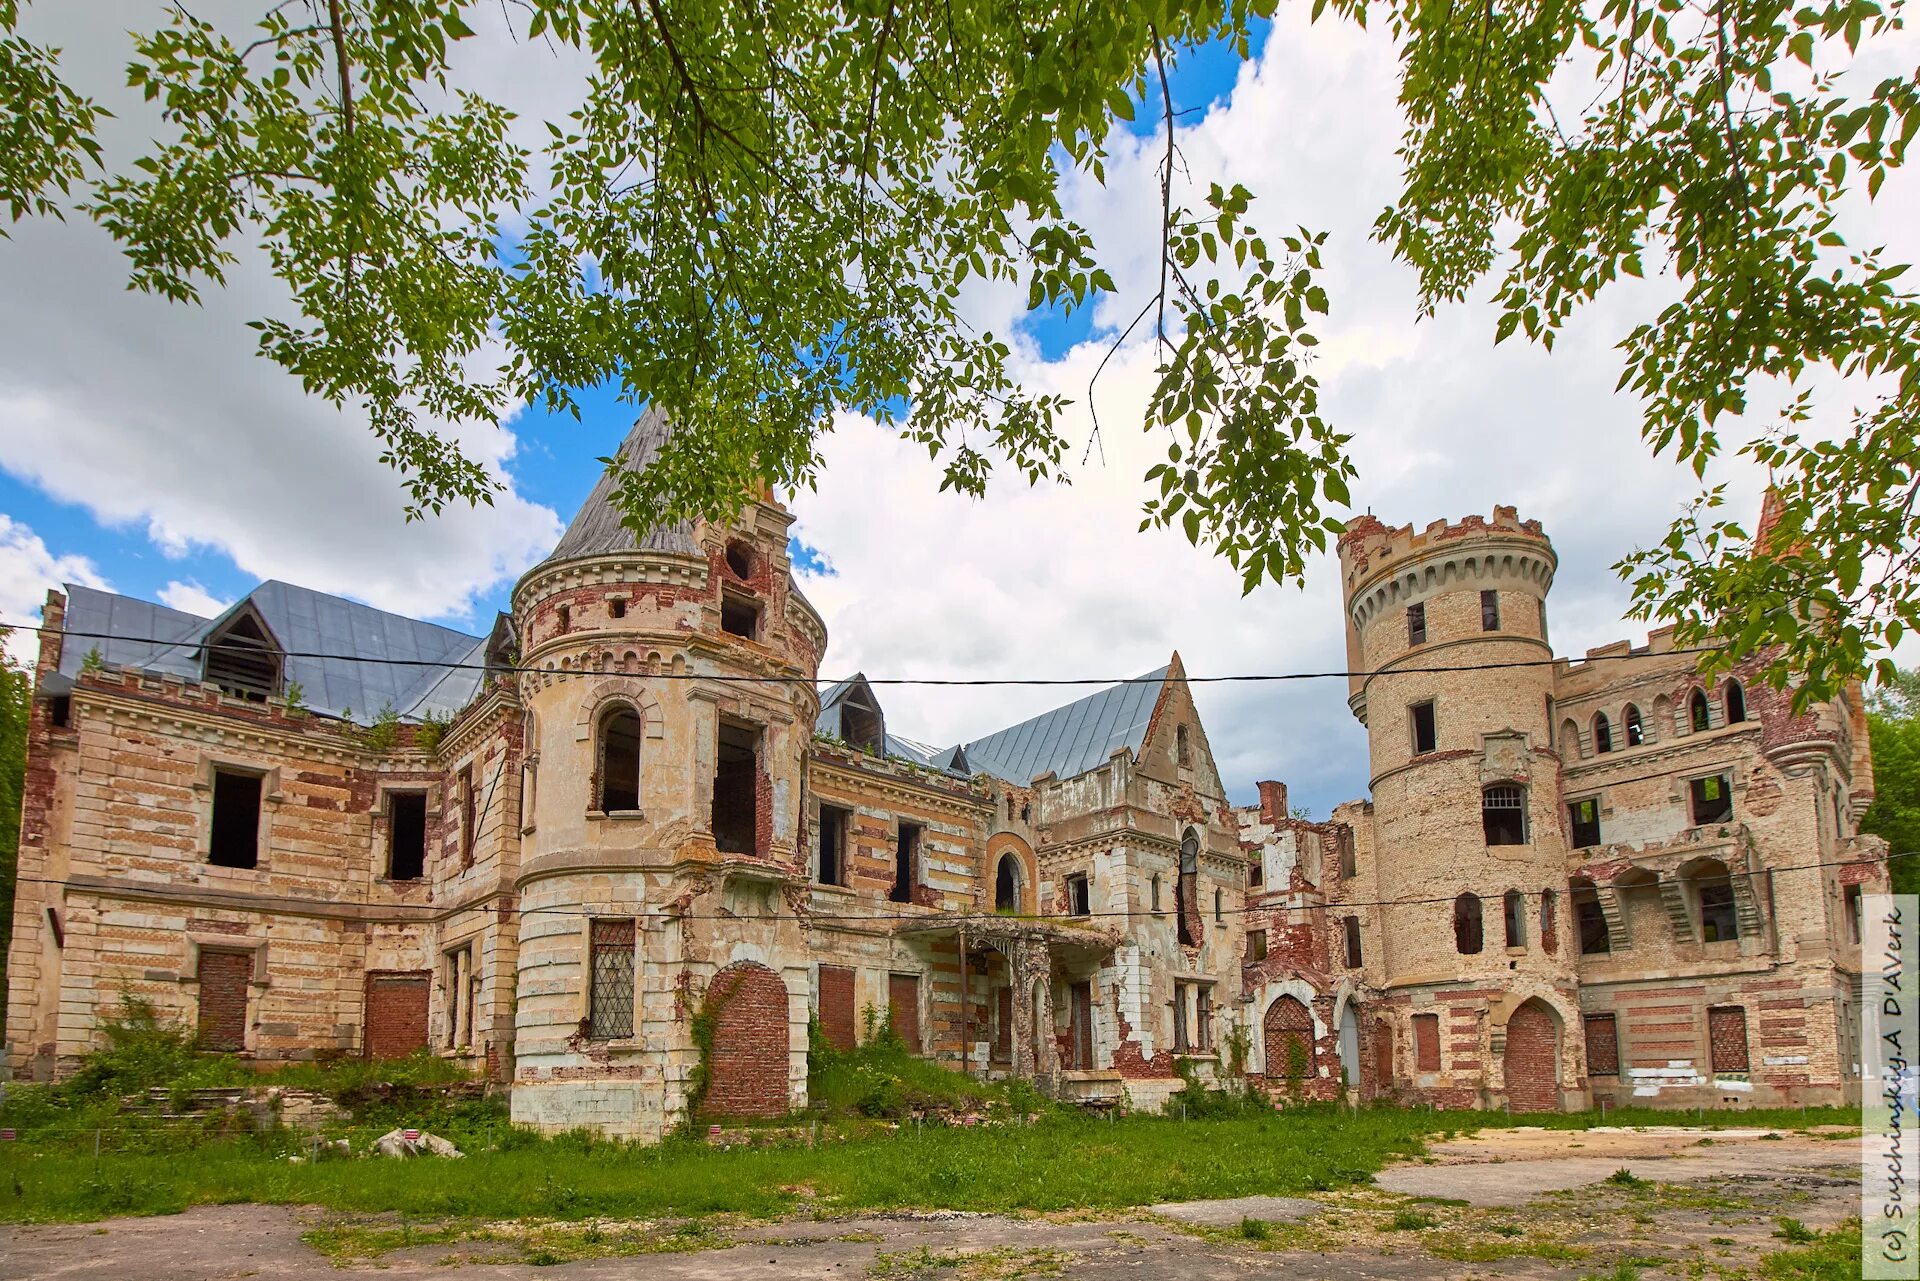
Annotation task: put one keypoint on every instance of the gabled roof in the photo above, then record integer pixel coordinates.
(303, 621)
(597, 528)
(1073, 739)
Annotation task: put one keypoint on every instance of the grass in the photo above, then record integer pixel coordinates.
(1829, 1256)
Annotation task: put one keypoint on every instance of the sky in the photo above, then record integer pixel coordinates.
(144, 448)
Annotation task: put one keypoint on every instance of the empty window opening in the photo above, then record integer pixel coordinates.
(1854, 918)
(739, 616)
(234, 834)
(1736, 703)
(565, 613)
(1636, 732)
(1584, 818)
(1426, 734)
(1182, 746)
(619, 763)
(1426, 1042)
(1468, 937)
(1697, 714)
(1219, 907)
(906, 863)
(1603, 1045)
(1602, 733)
(1417, 624)
(469, 815)
(1503, 814)
(1713, 891)
(1186, 891)
(462, 987)
(406, 835)
(1590, 918)
(610, 999)
(1006, 885)
(1256, 872)
(617, 607)
(1079, 895)
(736, 790)
(1489, 611)
(1351, 929)
(1203, 1019)
(1712, 799)
(60, 710)
(1513, 911)
(243, 660)
(740, 560)
(1347, 867)
(1256, 945)
(834, 823)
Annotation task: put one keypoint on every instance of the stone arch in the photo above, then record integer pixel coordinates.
(752, 1042)
(1569, 740)
(1263, 998)
(1602, 734)
(622, 689)
(1632, 727)
(1663, 724)
(1289, 1032)
(1346, 1023)
(1530, 1057)
(618, 730)
(1699, 711)
(1006, 845)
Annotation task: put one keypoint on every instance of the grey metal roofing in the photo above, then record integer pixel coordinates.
(301, 620)
(598, 527)
(1073, 739)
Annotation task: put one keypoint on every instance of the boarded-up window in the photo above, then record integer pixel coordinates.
(1603, 1045)
(223, 999)
(1727, 1038)
(837, 1006)
(903, 1008)
(1426, 1042)
(610, 1003)
(397, 1014)
(234, 838)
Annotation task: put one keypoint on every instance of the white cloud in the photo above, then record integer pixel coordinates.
(191, 598)
(27, 570)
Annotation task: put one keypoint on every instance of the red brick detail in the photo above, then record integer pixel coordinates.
(1532, 1060)
(751, 1038)
(1289, 1024)
(1003, 1040)
(1426, 1042)
(837, 1015)
(1383, 1057)
(1727, 1038)
(903, 1008)
(1603, 1045)
(397, 1013)
(223, 998)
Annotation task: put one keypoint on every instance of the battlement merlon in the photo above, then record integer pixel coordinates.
(1369, 544)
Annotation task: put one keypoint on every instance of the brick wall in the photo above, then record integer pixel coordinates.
(750, 1043)
(396, 1022)
(839, 1020)
(223, 998)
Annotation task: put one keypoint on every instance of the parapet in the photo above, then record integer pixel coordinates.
(1368, 543)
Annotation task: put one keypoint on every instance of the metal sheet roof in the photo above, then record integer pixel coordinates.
(597, 527)
(1073, 739)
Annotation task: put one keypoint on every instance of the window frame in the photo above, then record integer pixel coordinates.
(258, 778)
(1489, 610)
(389, 797)
(1519, 807)
(1431, 708)
(612, 946)
(1575, 823)
(1417, 623)
(1697, 798)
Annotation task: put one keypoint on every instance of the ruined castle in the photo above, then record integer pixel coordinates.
(624, 850)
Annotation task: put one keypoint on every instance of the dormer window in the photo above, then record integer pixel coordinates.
(243, 659)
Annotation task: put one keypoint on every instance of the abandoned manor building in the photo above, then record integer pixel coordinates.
(622, 851)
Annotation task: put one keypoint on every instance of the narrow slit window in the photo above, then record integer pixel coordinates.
(1186, 890)
(1697, 714)
(406, 835)
(1636, 731)
(1602, 733)
(1513, 910)
(1351, 931)
(234, 832)
(834, 823)
(1489, 611)
(906, 863)
(1417, 624)
(1426, 733)
(1736, 703)
(1468, 938)
(469, 816)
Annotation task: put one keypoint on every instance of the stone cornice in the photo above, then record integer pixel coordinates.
(279, 904)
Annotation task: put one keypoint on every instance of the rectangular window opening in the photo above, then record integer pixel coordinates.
(1079, 895)
(462, 987)
(1256, 945)
(834, 823)
(617, 607)
(1503, 814)
(1426, 734)
(1712, 799)
(1351, 929)
(906, 862)
(1417, 624)
(406, 835)
(469, 816)
(739, 616)
(610, 999)
(1489, 611)
(234, 838)
(736, 790)
(1584, 818)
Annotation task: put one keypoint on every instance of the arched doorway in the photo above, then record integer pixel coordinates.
(1006, 885)
(751, 1040)
(1532, 1059)
(1350, 1046)
(1289, 1039)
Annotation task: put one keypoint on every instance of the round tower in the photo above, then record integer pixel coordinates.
(1446, 635)
(668, 691)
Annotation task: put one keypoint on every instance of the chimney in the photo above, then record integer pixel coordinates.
(1273, 800)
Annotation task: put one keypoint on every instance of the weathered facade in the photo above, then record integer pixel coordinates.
(1576, 881)
(619, 852)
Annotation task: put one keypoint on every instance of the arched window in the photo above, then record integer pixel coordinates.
(1736, 703)
(1513, 910)
(1569, 740)
(1503, 814)
(1589, 917)
(1289, 1036)
(1187, 889)
(1468, 938)
(740, 560)
(1006, 885)
(1636, 732)
(1602, 733)
(1697, 715)
(617, 768)
(1662, 719)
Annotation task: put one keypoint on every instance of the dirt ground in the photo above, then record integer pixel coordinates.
(1519, 1203)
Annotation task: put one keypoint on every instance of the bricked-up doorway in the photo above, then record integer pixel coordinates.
(1727, 1039)
(736, 790)
(1532, 1059)
(837, 1013)
(751, 1038)
(223, 999)
(903, 1008)
(1289, 1036)
(397, 1013)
